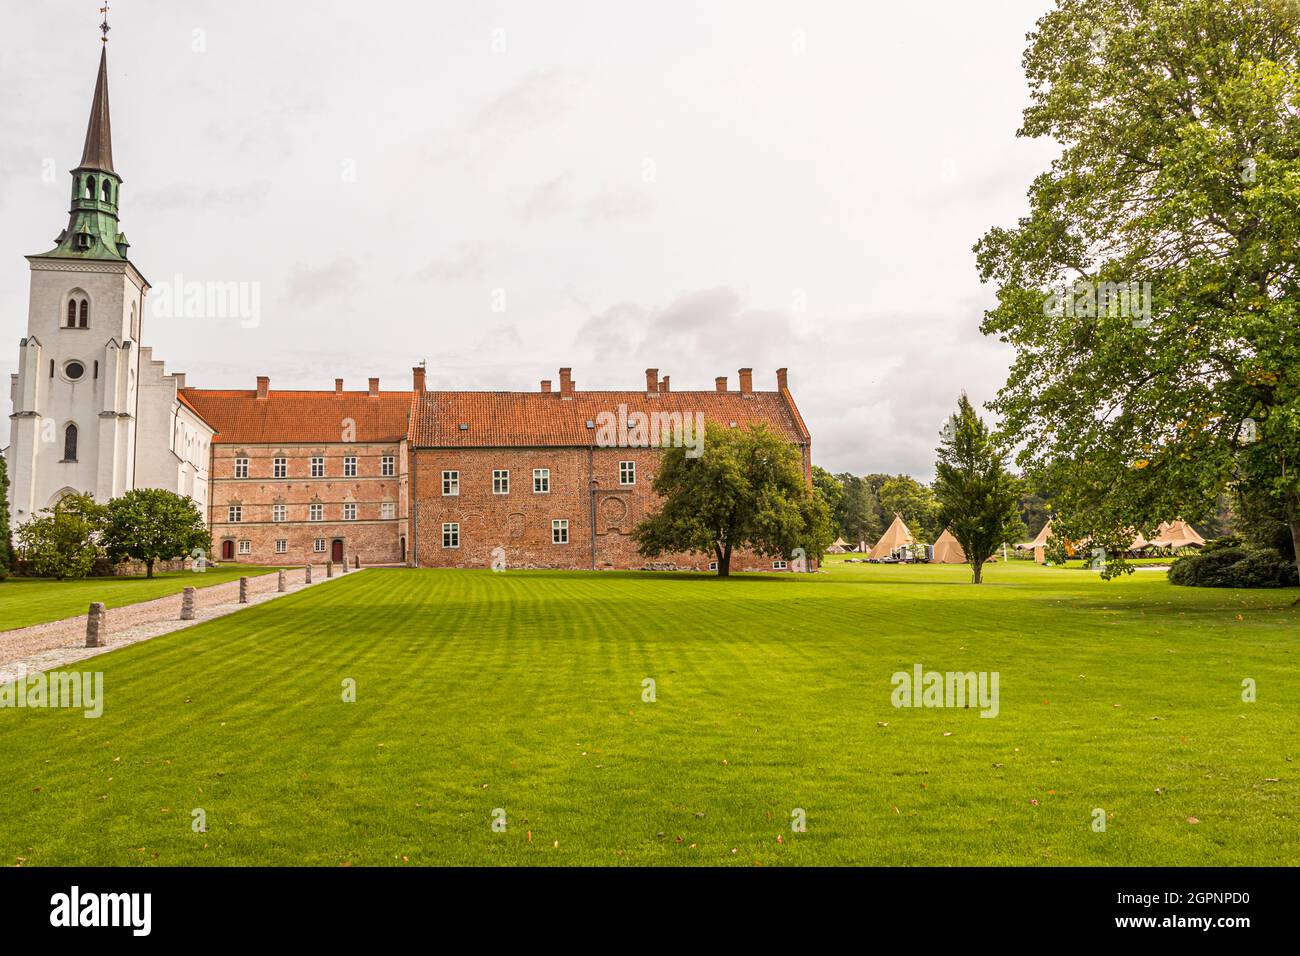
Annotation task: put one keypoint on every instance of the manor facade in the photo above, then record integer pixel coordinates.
(553, 478)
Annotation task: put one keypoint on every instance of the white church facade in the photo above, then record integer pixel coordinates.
(92, 411)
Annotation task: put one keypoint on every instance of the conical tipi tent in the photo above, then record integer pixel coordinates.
(1039, 544)
(1177, 534)
(947, 549)
(895, 536)
(839, 547)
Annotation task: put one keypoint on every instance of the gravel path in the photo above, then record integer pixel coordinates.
(53, 644)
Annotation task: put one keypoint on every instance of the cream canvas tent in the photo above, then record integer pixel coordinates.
(1177, 534)
(947, 549)
(839, 547)
(895, 536)
(1039, 544)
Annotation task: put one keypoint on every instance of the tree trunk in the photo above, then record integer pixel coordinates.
(1293, 519)
(978, 568)
(724, 562)
(148, 568)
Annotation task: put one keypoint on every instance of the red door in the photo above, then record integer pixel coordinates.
(227, 551)
(336, 549)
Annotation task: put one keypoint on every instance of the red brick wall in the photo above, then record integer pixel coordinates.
(374, 539)
(520, 522)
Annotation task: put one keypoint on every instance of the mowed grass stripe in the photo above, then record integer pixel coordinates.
(523, 691)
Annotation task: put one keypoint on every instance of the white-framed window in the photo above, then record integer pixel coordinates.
(387, 509)
(319, 546)
(235, 514)
(281, 545)
(451, 535)
(713, 565)
(560, 531)
(451, 482)
(316, 512)
(388, 466)
(350, 466)
(241, 467)
(245, 547)
(778, 565)
(280, 468)
(318, 467)
(541, 481)
(500, 481)
(627, 473)
(350, 511)
(278, 512)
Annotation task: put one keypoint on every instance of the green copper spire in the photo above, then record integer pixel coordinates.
(92, 231)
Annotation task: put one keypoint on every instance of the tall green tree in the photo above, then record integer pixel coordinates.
(6, 541)
(904, 495)
(1152, 293)
(153, 524)
(858, 515)
(977, 496)
(746, 490)
(830, 489)
(62, 541)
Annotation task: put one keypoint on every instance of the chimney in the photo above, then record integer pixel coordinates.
(652, 380)
(746, 381)
(663, 384)
(417, 378)
(263, 385)
(338, 388)
(546, 385)
(374, 388)
(720, 383)
(566, 383)
(782, 381)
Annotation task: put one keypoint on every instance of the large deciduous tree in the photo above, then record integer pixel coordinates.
(905, 496)
(746, 490)
(152, 524)
(63, 541)
(1179, 122)
(978, 497)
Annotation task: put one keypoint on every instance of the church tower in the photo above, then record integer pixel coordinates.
(75, 396)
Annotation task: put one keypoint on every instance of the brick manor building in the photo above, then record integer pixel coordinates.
(433, 479)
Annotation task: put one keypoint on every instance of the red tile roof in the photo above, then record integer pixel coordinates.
(504, 419)
(239, 416)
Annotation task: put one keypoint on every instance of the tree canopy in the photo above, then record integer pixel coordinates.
(745, 490)
(1152, 291)
(152, 524)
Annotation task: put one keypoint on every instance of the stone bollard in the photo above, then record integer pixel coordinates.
(96, 625)
(343, 566)
(281, 584)
(329, 569)
(356, 561)
(243, 590)
(187, 604)
(307, 579)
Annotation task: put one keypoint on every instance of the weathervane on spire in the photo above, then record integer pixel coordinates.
(104, 27)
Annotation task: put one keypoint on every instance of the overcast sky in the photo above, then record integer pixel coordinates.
(506, 188)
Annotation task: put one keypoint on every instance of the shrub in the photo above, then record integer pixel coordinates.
(1226, 563)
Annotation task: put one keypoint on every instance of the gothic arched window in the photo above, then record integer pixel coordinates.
(72, 313)
(70, 443)
(85, 314)
(108, 191)
(90, 187)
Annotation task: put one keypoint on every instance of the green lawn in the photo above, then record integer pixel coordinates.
(523, 691)
(25, 601)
